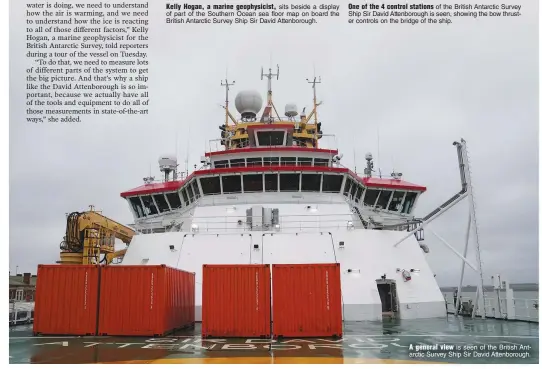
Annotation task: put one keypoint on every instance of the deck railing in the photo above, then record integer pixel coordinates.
(283, 223)
(525, 309)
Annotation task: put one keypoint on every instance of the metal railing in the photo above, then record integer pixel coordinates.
(283, 223)
(524, 309)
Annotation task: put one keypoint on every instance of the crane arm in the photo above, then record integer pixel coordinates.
(78, 223)
(113, 255)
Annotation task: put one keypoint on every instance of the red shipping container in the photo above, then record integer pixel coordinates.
(66, 300)
(150, 300)
(236, 301)
(307, 300)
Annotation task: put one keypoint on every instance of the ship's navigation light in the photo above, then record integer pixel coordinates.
(277, 227)
(406, 275)
(349, 224)
(195, 228)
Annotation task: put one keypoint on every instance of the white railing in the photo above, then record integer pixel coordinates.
(524, 309)
(327, 142)
(285, 223)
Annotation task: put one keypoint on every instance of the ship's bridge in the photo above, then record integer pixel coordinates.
(271, 155)
(273, 170)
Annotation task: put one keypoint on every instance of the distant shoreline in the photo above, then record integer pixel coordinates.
(487, 288)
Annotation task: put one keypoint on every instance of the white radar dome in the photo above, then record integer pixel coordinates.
(167, 162)
(248, 103)
(290, 110)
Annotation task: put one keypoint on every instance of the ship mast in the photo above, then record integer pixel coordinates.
(227, 86)
(268, 111)
(314, 110)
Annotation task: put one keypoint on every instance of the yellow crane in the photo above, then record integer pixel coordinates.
(90, 239)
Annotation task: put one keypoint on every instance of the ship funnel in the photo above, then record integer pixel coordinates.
(168, 164)
(248, 103)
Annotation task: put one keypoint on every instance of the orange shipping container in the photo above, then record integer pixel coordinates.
(236, 301)
(307, 300)
(150, 300)
(66, 300)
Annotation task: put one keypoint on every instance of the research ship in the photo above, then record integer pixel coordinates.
(269, 193)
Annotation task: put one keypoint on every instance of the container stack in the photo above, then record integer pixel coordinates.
(307, 300)
(145, 300)
(66, 300)
(236, 301)
(113, 300)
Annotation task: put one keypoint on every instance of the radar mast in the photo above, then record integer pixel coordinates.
(268, 111)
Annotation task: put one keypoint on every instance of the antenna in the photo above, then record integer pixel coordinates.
(187, 149)
(227, 85)
(378, 150)
(268, 111)
(355, 166)
(313, 83)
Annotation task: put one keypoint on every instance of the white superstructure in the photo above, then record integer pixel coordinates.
(271, 195)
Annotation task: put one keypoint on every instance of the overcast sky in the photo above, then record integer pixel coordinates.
(421, 87)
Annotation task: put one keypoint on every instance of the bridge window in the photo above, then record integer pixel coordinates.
(287, 161)
(190, 192)
(321, 162)
(174, 200)
(353, 190)
(271, 182)
(370, 197)
(254, 162)
(396, 200)
(359, 193)
(309, 182)
(210, 185)
(332, 183)
(383, 199)
(136, 205)
(195, 188)
(160, 200)
(252, 183)
(231, 184)
(234, 163)
(185, 197)
(221, 164)
(304, 161)
(409, 202)
(270, 138)
(148, 205)
(270, 161)
(289, 182)
(347, 186)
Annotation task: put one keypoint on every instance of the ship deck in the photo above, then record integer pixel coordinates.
(466, 340)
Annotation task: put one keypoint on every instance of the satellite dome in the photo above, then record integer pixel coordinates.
(167, 162)
(290, 110)
(248, 103)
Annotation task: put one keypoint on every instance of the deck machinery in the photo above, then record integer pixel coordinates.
(90, 239)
